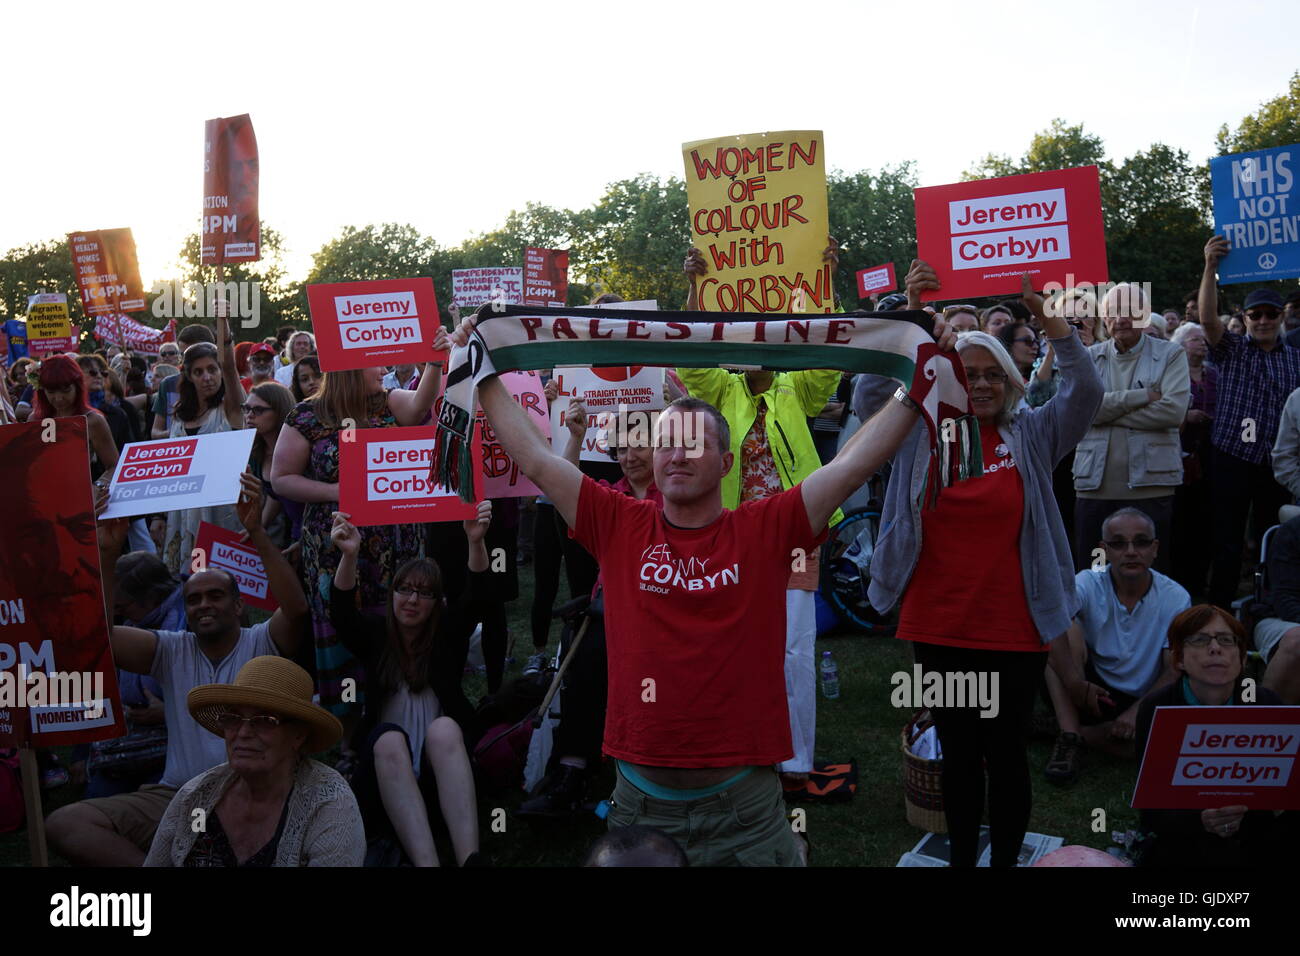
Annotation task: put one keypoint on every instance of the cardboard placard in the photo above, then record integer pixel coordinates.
(470, 288)
(546, 277)
(758, 212)
(49, 327)
(981, 236)
(501, 476)
(384, 478)
(108, 275)
(1255, 197)
(604, 391)
(365, 324)
(116, 329)
(58, 685)
(172, 474)
(232, 231)
(1202, 758)
(223, 549)
(876, 280)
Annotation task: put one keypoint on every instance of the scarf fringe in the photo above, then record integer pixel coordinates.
(956, 460)
(453, 462)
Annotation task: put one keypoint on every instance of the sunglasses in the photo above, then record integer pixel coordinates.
(262, 723)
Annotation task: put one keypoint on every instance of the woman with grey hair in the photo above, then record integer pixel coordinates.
(985, 578)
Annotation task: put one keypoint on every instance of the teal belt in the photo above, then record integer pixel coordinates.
(671, 793)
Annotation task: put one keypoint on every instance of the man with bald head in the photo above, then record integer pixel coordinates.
(117, 831)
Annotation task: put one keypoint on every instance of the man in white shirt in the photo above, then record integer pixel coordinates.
(1115, 652)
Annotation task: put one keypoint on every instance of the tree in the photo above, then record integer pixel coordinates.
(872, 217)
(38, 267)
(634, 240)
(1275, 123)
(1155, 227)
(1057, 147)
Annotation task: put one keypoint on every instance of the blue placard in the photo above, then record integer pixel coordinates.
(1256, 208)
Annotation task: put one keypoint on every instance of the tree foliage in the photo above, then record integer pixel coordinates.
(1276, 123)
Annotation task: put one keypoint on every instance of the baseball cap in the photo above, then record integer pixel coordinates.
(261, 349)
(895, 300)
(1264, 297)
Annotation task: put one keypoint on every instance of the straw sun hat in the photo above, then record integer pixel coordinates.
(276, 685)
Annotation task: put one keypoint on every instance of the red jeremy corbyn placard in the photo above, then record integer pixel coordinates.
(364, 324)
(384, 478)
(1201, 758)
(877, 280)
(981, 236)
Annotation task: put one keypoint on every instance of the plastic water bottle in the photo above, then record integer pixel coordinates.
(830, 677)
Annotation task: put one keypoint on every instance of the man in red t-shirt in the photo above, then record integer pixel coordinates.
(695, 618)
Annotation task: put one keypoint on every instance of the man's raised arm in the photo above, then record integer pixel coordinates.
(559, 480)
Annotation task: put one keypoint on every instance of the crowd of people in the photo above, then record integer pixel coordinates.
(1134, 463)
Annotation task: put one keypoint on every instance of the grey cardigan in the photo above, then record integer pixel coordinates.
(1038, 438)
(323, 829)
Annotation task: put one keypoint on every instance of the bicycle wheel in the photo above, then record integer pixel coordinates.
(846, 569)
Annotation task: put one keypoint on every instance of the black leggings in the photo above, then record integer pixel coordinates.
(551, 545)
(971, 742)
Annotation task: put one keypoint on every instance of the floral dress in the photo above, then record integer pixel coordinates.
(383, 549)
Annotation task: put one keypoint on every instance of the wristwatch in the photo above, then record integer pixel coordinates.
(902, 396)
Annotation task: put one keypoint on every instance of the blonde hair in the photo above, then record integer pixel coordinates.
(1014, 390)
(342, 396)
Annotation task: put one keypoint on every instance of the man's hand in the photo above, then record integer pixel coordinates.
(575, 419)
(831, 253)
(1215, 250)
(944, 334)
(920, 277)
(694, 265)
(249, 506)
(552, 391)
(345, 535)
(441, 340)
(1088, 697)
(1032, 300)
(1123, 726)
(460, 337)
(1153, 395)
(477, 527)
(1224, 821)
(1197, 417)
(153, 713)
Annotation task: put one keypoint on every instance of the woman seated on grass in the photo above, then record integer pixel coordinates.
(416, 716)
(1208, 646)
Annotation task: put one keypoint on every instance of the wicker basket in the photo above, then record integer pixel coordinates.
(922, 781)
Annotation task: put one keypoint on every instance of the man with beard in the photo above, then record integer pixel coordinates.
(117, 831)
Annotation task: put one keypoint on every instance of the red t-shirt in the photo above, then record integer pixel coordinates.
(968, 589)
(701, 612)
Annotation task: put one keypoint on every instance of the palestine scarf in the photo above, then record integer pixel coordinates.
(897, 345)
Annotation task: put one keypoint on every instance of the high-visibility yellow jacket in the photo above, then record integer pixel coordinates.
(791, 399)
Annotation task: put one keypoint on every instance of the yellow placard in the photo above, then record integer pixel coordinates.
(758, 213)
(48, 319)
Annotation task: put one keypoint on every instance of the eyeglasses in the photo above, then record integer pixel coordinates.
(254, 409)
(1121, 544)
(262, 723)
(1203, 640)
(993, 378)
(1257, 314)
(406, 591)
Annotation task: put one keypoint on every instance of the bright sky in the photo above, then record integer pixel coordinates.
(449, 116)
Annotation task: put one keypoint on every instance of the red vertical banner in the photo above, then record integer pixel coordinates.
(58, 684)
(108, 275)
(232, 231)
(546, 276)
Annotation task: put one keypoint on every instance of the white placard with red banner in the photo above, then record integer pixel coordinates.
(876, 280)
(501, 476)
(173, 474)
(117, 329)
(470, 288)
(1204, 758)
(384, 478)
(605, 391)
(226, 550)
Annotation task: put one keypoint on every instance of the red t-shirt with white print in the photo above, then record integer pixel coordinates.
(700, 612)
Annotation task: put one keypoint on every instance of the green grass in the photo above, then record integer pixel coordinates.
(870, 830)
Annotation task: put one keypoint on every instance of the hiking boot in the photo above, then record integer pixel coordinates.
(1063, 767)
(536, 664)
(561, 798)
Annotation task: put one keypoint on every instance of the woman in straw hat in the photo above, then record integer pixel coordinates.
(268, 804)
